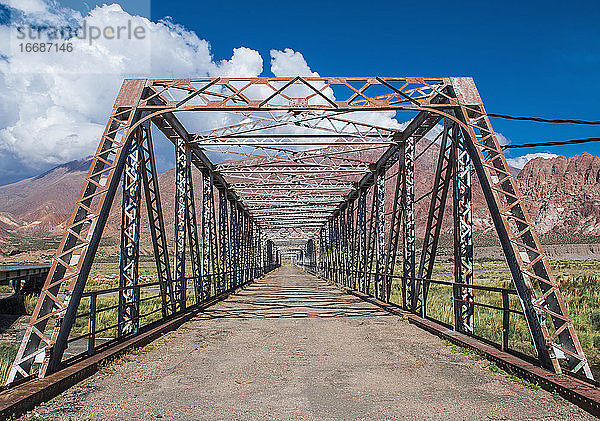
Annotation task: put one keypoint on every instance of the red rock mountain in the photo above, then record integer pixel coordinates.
(562, 195)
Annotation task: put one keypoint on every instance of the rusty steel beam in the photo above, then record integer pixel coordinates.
(300, 167)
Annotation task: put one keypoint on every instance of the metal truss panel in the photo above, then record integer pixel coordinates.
(408, 219)
(74, 256)
(306, 165)
(538, 290)
(463, 235)
(129, 293)
(182, 162)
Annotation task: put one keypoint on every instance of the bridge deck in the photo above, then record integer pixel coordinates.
(292, 347)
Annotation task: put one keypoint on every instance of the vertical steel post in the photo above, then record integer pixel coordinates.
(247, 248)
(361, 243)
(380, 275)
(92, 325)
(182, 161)
(322, 251)
(336, 248)
(463, 235)
(233, 235)
(343, 247)
(129, 296)
(224, 241)
(240, 244)
(208, 233)
(371, 244)
(350, 249)
(408, 218)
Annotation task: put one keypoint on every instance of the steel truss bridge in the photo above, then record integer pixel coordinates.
(298, 169)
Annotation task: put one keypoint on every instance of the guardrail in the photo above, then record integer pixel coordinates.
(504, 297)
(100, 323)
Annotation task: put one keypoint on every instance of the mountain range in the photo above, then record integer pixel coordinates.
(561, 194)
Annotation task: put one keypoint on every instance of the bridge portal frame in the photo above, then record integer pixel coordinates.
(306, 102)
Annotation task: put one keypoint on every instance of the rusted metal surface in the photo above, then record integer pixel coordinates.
(298, 160)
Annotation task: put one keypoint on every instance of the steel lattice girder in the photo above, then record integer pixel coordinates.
(437, 206)
(129, 295)
(192, 229)
(313, 104)
(156, 219)
(463, 235)
(182, 162)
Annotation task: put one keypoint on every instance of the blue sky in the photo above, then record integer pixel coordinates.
(528, 58)
(531, 58)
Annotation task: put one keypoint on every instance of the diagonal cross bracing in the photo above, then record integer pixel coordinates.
(300, 166)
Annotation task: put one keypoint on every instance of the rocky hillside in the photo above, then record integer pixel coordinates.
(563, 194)
(39, 205)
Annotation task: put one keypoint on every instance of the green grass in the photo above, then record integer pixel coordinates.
(580, 285)
(8, 352)
(579, 281)
(107, 317)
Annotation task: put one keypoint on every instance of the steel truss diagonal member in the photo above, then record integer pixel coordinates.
(156, 220)
(395, 231)
(441, 185)
(192, 229)
(72, 262)
(538, 290)
(350, 249)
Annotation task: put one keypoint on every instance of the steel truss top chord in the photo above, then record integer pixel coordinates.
(297, 154)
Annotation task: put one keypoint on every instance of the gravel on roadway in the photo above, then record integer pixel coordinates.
(292, 347)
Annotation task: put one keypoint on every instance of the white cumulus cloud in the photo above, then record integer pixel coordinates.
(290, 63)
(53, 107)
(520, 161)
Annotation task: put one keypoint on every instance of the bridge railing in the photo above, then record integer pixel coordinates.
(498, 307)
(100, 324)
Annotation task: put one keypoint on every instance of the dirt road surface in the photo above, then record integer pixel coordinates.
(291, 347)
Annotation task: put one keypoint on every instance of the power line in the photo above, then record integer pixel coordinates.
(544, 120)
(553, 143)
